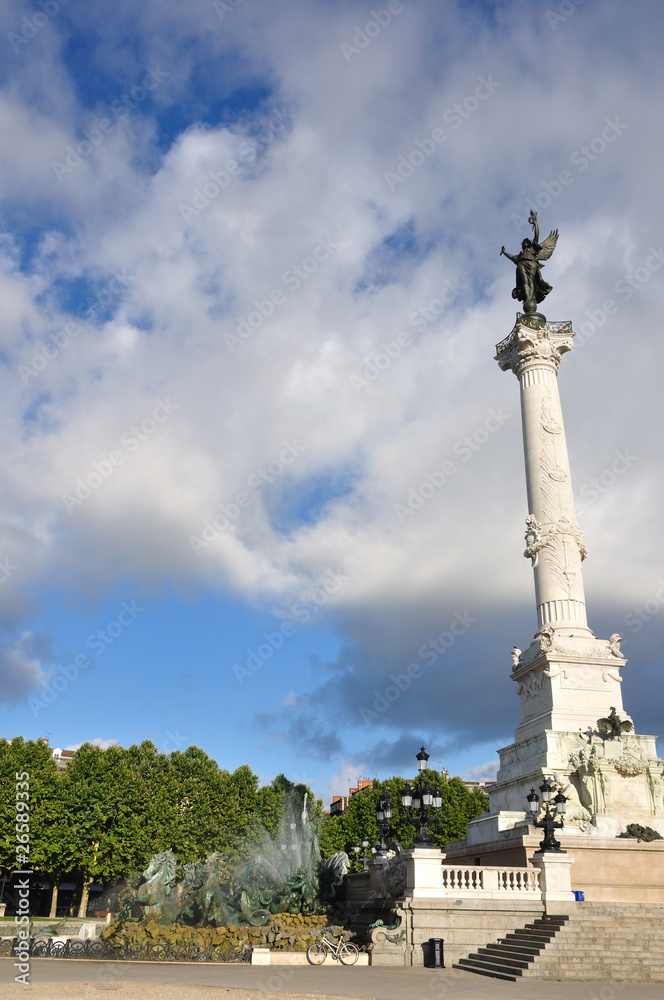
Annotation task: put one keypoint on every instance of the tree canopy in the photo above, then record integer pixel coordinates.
(103, 817)
(460, 805)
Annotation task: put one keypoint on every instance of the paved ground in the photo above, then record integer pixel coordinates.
(62, 979)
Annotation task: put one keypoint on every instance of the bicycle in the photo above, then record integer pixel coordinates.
(343, 952)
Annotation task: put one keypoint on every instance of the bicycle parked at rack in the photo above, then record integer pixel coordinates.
(342, 951)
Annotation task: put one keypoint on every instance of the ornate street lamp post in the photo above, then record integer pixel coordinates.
(425, 801)
(356, 848)
(383, 816)
(555, 807)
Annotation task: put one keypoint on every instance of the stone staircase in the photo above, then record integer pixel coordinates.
(597, 941)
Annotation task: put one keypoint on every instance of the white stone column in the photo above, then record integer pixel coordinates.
(553, 538)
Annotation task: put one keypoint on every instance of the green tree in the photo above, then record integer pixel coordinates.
(341, 833)
(101, 812)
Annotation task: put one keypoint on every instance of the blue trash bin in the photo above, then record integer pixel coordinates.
(579, 895)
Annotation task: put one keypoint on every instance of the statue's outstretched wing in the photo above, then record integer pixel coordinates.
(605, 724)
(626, 726)
(548, 245)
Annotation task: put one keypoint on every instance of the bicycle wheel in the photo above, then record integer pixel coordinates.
(316, 954)
(348, 954)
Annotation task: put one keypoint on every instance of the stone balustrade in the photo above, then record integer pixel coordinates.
(481, 881)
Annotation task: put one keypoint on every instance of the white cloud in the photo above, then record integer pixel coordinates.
(481, 772)
(98, 741)
(21, 670)
(323, 176)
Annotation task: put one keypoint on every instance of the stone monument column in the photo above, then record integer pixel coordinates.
(573, 728)
(567, 678)
(553, 538)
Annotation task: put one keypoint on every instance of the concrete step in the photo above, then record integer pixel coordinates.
(496, 972)
(519, 951)
(503, 959)
(606, 942)
(537, 937)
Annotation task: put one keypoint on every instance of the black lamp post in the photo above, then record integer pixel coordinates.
(425, 801)
(383, 816)
(356, 848)
(555, 807)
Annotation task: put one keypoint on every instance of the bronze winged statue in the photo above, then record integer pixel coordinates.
(613, 726)
(531, 288)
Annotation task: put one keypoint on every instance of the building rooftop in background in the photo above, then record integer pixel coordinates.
(62, 757)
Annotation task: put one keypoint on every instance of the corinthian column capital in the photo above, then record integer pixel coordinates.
(531, 344)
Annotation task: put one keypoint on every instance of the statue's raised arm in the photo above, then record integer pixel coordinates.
(531, 288)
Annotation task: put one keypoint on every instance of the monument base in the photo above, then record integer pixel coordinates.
(609, 782)
(605, 869)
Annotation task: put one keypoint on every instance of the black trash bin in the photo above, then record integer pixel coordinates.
(436, 953)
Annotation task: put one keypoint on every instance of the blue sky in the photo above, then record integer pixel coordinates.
(251, 292)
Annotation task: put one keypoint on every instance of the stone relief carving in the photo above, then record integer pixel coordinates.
(612, 675)
(546, 639)
(555, 543)
(531, 685)
(534, 541)
(560, 672)
(551, 446)
(656, 786)
(599, 772)
(629, 767)
(577, 814)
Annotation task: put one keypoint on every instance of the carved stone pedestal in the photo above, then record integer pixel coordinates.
(424, 877)
(555, 881)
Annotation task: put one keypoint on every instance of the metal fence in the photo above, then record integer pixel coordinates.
(95, 949)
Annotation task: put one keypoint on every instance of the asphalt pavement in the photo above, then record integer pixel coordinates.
(76, 979)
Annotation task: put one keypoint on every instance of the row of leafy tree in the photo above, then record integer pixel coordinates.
(103, 817)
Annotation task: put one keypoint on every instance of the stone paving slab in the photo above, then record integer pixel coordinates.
(75, 979)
